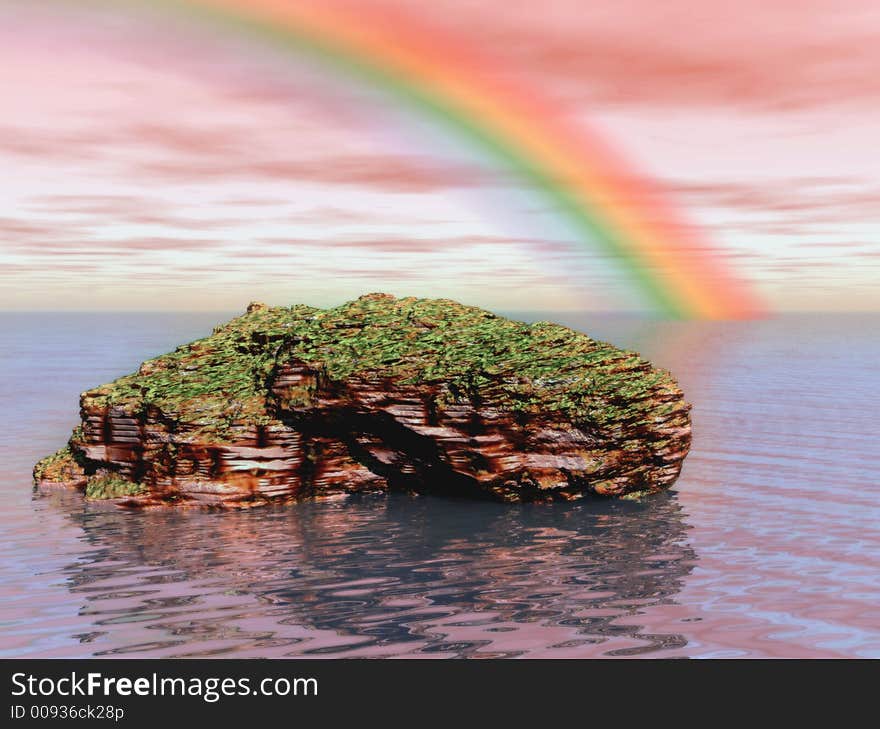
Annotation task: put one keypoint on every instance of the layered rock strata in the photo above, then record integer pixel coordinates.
(380, 393)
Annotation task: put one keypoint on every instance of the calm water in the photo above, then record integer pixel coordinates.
(768, 546)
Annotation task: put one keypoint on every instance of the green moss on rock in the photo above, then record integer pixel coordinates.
(212, 382)
(542, 366)
(64, 466)
(112, 486)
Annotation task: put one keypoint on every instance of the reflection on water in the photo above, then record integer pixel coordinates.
(382, 576)
(770, 545)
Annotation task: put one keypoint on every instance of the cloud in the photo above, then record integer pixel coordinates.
(792, 208)
(792, 195)
(416, 244)
(379, 172)
(204, 140)
(772, 55)
(47, 143)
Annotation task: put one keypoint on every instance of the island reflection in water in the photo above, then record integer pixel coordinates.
(381, 576)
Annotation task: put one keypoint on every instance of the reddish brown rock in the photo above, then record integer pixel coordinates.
(381, 393)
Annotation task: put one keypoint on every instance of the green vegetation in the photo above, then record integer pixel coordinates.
(212, 382)
(63, 466)
(112, 486)
(468, 352)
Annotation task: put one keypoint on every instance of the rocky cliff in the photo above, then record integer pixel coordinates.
(380, 393)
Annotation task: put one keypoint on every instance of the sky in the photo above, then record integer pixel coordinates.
(155, 164)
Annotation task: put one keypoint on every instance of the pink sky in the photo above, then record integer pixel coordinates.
(154, 166)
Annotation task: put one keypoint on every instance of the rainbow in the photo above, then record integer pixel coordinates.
(597, 194)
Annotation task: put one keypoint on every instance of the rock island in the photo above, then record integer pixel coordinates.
(417, 395)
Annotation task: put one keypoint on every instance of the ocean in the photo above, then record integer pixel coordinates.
(767, 546)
